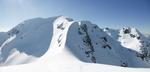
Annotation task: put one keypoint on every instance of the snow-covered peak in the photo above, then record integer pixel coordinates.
(61, 21)
(131, 38)
(31, 37)
(133, 32)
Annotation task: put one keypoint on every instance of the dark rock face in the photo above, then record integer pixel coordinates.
(87, 41)
(126, 30)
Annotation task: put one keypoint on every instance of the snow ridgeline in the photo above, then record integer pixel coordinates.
(61, 44)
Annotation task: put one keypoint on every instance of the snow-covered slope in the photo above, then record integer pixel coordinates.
(30, 39)
(59, 44)
(90, 44)
(3, 37)
(132, 39)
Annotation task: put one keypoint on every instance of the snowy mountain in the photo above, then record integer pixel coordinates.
(132, 39)
(60, 44)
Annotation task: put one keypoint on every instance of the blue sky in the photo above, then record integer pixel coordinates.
(105, 13)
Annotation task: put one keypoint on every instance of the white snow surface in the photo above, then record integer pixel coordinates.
(59, 44)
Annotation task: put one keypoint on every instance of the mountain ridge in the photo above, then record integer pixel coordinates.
(44, 39)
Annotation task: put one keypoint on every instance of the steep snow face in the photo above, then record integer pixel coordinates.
(91, 44)
(60, 26)
(30, 39)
